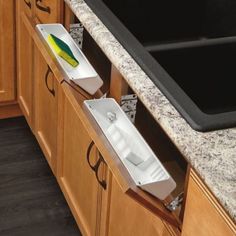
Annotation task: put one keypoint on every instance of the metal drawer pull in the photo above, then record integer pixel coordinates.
(88, 155)
(101, 182)
(52, 91)
(42, 8)
(28, 3)
(95, 167)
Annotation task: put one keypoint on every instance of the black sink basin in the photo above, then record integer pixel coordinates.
(206, 73)
(167, 20)
(187, 48)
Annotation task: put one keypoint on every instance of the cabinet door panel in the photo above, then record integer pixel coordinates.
(76, 178)
(24, 63)
(7, 51)
(128, 218)
(45, 108)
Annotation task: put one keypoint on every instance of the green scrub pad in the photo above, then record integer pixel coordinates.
(63, 50)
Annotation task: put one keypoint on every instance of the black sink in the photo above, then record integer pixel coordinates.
(187, 48)
(206, 73)
(153, 21)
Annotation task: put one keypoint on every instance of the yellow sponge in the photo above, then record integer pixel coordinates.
(63, 50)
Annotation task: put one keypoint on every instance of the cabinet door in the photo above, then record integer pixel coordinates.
(45, 108)
(48, 11)
(127, 218)
(7, 51)
(24, 61)
(76, 178)
(203, 215)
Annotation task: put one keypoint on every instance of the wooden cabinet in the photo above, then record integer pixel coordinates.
(7, 51)
(203, 214)
(46, 89)
(77, 179)
(65, 133)
(24, 61)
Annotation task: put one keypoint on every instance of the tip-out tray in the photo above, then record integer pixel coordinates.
(84, 74)
(142, 164)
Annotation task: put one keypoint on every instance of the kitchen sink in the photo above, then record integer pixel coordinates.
(187, 48)
(161, 21)
(206, 73)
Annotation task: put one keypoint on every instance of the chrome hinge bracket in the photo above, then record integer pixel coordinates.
(76, 32)
(174, 204)
(128, 104)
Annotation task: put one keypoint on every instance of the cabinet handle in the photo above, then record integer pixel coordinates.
(28, 4)
(95, 167)
(88, 155)
(42, 8)
(101, 182)
(52, 91)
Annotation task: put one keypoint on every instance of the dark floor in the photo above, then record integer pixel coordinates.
(31, 202)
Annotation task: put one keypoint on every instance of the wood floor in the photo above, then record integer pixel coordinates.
(31, 202)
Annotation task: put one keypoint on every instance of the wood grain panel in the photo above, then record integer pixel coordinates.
(24, 63)
(203, 214)
(10, 110)
(7, 51)
(128, 218)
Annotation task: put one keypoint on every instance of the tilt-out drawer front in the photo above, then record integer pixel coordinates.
(140, 161)
(84, 74)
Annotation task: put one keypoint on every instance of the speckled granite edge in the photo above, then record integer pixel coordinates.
(212, 154)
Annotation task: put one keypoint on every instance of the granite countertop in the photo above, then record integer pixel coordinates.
(212, 154)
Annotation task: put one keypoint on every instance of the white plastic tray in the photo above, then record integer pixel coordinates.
(136, 155)
(84, 75)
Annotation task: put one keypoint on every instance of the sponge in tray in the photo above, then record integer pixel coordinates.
(63, 50)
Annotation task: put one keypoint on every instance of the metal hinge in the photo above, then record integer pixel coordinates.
(128, 105)
(76, 32)
(174, 204)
